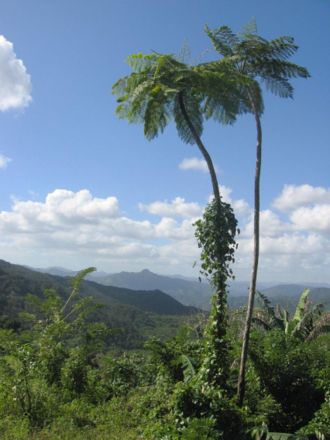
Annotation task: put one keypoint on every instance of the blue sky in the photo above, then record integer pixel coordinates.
(66, 138)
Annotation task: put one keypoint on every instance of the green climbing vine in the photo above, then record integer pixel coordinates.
(215, 233)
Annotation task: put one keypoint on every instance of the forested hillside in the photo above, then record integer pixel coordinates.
(198, 294)
(135, 314)
(64, 375)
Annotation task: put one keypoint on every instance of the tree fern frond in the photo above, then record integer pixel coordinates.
(279, 86)
(219, 112)
(122, 111)
(269, 314)
(223, 39)
(156, 116)
(276, 68)
(140, 63)
(251, 48)
(119, 86)
(265, 303)
(128, 91)
(282, 47)
(249, 29)
(193, 108)
(75, 285)
(137, 98)
(223, 93)
(227, 35)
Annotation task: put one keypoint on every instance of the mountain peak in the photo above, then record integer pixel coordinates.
(146, 271)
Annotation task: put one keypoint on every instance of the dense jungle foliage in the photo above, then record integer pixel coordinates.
(62, 378)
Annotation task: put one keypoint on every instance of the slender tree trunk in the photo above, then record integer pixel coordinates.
(252, 290)
(203, 150)
(215, 370)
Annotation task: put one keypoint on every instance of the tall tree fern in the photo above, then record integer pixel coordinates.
(161, 89)
(267, 62)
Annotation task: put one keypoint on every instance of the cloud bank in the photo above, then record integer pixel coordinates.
(15, 82)
(77, 229)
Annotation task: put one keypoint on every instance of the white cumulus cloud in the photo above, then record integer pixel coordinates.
(315, 218)
(177, 207)
(294, 196)
(193, 163)
(4, 161)
(77, 229)
(15, 82)
(270, 225)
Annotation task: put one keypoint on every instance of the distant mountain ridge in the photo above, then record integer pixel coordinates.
(185, 291)
(287, 295)
(194, 293)
(137, 314)
(19, 280)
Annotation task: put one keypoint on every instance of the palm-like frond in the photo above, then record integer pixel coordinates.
(139, 62)
(276, 74)
(226, 91)
(249, 29)
(301, 306)
(223, 39)
(156, 115)
(221, 99)
(266, 304)
(270, 316)
(257, 57)
(278, 86)
(282, 47)
(307, 323)
(150, 94)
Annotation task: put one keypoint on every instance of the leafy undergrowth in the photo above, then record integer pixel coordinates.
(59, 380)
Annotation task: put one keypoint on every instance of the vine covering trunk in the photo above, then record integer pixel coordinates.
(215, 235)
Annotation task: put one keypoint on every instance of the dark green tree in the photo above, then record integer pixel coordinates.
(265, 61)
(161, 89)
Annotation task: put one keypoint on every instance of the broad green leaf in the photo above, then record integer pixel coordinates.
(301, 306)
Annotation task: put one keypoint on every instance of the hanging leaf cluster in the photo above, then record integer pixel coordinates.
(215, 234)
(150, 94)
(258, 58)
